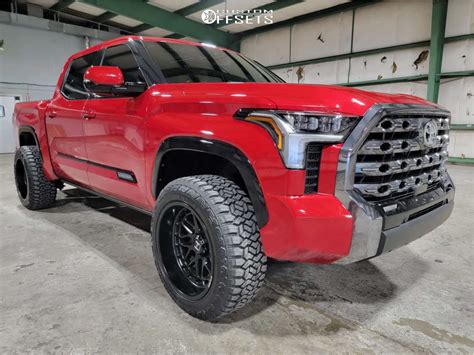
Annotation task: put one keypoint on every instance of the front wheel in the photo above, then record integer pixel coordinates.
(207, 245)
(34, 189)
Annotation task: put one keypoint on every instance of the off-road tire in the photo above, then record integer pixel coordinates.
(34, 189)
(239, 261)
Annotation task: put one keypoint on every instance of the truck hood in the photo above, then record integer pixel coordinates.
(299, 96)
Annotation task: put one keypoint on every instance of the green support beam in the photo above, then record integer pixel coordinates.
(438, 26)
(459, 160)
(404, 79)
(311, 16)
(461, 127)
(170, 21)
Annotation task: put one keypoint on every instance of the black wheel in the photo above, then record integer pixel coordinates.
(207, 245)
(34, 189)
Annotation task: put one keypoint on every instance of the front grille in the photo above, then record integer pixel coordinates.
(313, 159)
(402, 157)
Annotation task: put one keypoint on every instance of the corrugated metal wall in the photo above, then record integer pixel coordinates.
(381, 25)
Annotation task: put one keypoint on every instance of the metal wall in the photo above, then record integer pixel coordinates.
(34, 51)
(385, 24)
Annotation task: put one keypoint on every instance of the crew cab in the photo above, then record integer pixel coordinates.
(234, 164)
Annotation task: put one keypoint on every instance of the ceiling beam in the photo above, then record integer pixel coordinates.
(185, 11)
(201, 5)
(106, 16)
(61, 5)
(91, 19)
(142, 27)
(161, 18)
(273, 6)
(276, 5)
(311, 16)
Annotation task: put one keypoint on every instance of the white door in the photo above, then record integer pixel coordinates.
(7, 138)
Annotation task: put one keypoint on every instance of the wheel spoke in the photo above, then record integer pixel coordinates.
(187, 228)
(185, 245)
(197, 229)
(191, 247)
(187, 254)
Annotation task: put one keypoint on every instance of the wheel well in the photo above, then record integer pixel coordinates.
(27, 138)
(180, 163)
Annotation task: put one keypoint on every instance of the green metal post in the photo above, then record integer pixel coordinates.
(438, 26)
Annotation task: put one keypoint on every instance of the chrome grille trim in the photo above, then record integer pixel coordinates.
(401, 165)
(401, 185)
(388, 146)
(391, 124)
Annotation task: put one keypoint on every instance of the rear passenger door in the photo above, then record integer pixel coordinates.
(114, 134)
(64, 122)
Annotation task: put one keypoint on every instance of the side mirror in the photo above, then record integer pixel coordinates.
(109, 81)
(102, 79)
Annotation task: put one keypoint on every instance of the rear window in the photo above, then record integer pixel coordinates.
(182, 63)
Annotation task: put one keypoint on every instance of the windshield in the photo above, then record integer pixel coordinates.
(183, 63)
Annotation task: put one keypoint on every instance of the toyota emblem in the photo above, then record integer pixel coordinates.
(430, 133)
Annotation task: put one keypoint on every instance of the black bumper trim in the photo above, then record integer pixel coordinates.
(414, 229)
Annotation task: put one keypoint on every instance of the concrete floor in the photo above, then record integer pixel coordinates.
(80, 277)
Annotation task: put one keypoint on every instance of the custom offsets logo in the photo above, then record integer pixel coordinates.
(240, 17)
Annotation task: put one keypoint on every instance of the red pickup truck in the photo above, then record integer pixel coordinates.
(233, 164)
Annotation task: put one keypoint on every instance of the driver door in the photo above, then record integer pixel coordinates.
(114, 136)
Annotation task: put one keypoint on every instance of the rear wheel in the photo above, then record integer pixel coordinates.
(207, 245)
(34, 189)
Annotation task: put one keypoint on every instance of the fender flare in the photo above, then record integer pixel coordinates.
(223, 150)
(28, 129)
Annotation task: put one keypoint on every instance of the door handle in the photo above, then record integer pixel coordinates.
(52, 114)
(88, 115)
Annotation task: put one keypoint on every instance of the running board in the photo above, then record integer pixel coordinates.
(113, 199)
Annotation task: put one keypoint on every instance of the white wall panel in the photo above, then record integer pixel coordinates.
(460, 17)
(262, 47)
(457, 95)
(322, 73)
(392, 22)
(33, 58)
(458, 56)
(391, 64)
(322, 37)
(461, 144)
(418, 88)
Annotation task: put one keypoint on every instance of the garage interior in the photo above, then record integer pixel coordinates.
(80, 276)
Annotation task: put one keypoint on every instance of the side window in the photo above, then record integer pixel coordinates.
(121, 56)
(73, 86)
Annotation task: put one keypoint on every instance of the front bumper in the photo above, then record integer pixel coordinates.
(375, 233)
(345, 228)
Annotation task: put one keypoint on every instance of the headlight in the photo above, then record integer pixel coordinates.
(292, 131)
(305, 122)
